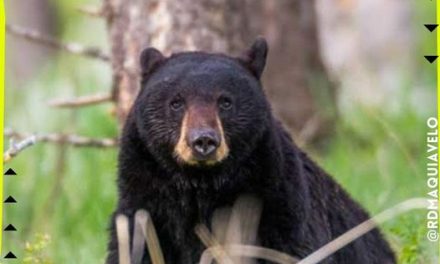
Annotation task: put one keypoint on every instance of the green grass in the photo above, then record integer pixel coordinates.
(379, 159)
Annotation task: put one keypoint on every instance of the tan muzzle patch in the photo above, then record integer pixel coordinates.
(184, 152)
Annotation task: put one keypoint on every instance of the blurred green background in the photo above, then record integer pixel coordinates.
(66, 194)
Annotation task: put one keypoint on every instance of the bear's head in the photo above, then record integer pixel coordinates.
(202, 109)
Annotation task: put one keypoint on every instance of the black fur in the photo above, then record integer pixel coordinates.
(303, 208)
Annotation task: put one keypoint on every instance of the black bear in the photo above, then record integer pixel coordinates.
(200, 134)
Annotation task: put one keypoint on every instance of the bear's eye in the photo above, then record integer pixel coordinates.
(225, 103)
(177, 104)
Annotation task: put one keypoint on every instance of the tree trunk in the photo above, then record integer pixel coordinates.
(41, 15)
(294, 73)
(170, 26)
(295, 78)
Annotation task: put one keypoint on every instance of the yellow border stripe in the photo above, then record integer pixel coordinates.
(2, 107)
(437, 9)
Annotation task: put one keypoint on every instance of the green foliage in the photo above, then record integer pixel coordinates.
(35, 252)
(377, 158)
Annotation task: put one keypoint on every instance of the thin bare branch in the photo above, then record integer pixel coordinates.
(16, 148)
(209, 241)
(38, 37)
(250, 251)
(81, 101)
(221, 253)
(97, 12)
(362, 229)
(58, 138)
(326, 250)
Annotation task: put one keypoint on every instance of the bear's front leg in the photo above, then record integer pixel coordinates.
(282, 239)
(285, 226)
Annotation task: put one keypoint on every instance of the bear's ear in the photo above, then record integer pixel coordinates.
(150, 59)
(255, 57)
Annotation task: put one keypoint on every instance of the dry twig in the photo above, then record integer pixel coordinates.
(58, 138)
(81, 101)
(98, 12)
(362, 229)
(38, 37)
(222, 253)
(16, 148)
(323, 252)
(217, 251)
(249, 251)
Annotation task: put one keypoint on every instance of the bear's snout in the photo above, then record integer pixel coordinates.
(201, 141)
(204, 142)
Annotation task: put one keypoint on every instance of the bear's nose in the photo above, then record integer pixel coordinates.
(204, 142)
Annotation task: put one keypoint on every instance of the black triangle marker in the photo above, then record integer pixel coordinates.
(10, 172)
(10, 255)
(431, 58)
(10, 228)
(10, 199)
(431, 27)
